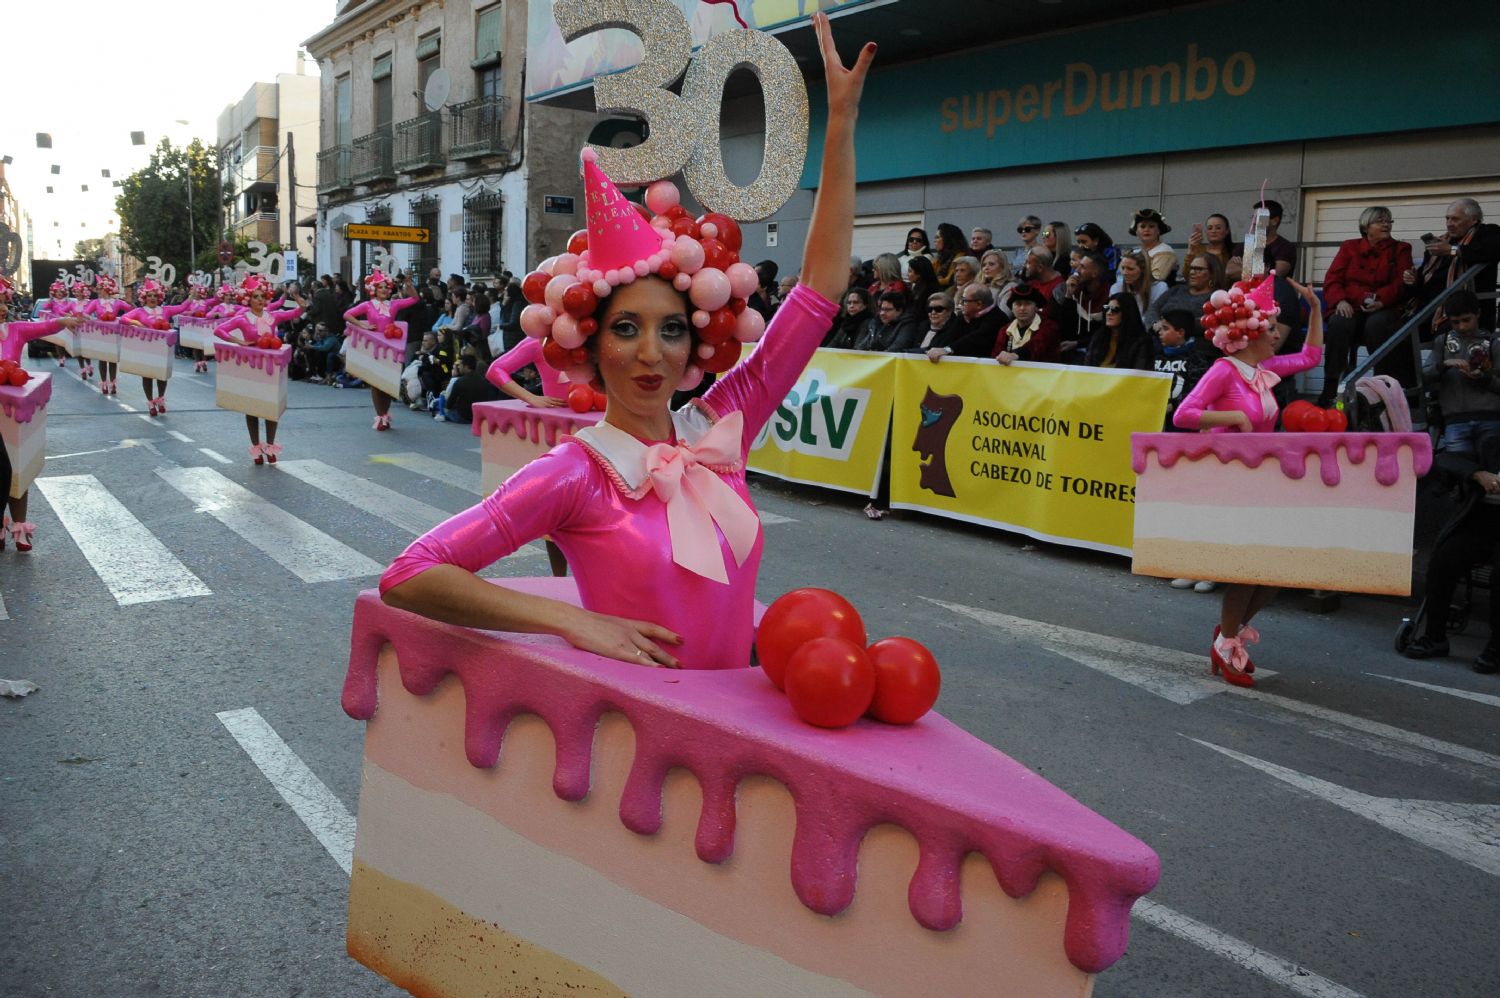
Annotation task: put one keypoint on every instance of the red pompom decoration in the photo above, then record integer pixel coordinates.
(580, 398)
(726, 355)
(534, 287)
(579, 301)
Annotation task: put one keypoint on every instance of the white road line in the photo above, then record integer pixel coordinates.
(1268, 965)
(215, 455)
(1470, 833)
(177, 435)
(295, 545)
(149, 419)
(772, 519)
(1178, 676)
(129, 560)
(3, 614)
(412, 515)
(318, 807)
(450, 474)
(128, 407)
(1484, 698)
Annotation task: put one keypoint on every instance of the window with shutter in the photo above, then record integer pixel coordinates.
(487, 36)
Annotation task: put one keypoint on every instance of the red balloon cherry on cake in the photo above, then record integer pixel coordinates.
(1337, 421)
(580, 398)
(830, 682)
(907, 680)
(1314, 421)
(796, 618)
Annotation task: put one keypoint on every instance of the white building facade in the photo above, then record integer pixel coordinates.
(267, 145)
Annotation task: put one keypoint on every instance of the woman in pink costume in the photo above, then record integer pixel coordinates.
(502, 371)
(84, 304)
(13, 339)
(108, 306)
(253, 327)
(57, 306)
(378, 313)
(157, 316)
(651, 505)
(1235, 396)
(198, 308)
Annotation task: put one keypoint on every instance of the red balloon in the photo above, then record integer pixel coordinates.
(580, 398)
(729, 230)
(796, 618)
(830, 682)
(907, 680)
(1337, 421)
(738, 305)
(684, 226)
(676, 212)
(717, 255)
(555, 356)
(589, 326)
(1225, 314)
(1314, 421)
(720, 328)
(1211, 321)
(601, 400)
(579, 301)
(1291, 419)
(668, 271)
(159, 323)
(18, 376)
(106, 317)
(726, 355)
(198, 313)
(578, 242)
(534, 287)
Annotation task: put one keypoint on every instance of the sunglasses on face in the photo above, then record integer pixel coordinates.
(1027, 228)
(1113, 309)
(934, 309)
(915, 239)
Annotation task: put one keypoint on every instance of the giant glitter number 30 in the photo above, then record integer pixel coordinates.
(684, 131)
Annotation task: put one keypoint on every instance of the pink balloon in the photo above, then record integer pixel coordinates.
(691, 378)
(581, 375)
(743, 280)
(662, 195)
(601, 287)
(688, 255)
(710, 289)
(749, 326)
(706, 350)
(546, 265)
(567, 263)
(709, 230)
(536, 320)
(682, 282)
(1219, 298)
(700, 319)
(555, 289)
(565, 332)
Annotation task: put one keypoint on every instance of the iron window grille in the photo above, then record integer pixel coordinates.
(482, 234)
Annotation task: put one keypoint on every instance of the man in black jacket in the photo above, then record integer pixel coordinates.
(894, 332)
(1468, 241)
(982, 323)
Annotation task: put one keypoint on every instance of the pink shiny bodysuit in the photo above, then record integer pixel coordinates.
(377, 313)
(18, 334)
(1225, 388)
(115, 308)
(252, 329)
(620, 548)
(529, 351)
(146, 313)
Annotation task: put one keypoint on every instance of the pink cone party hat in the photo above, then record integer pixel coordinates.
(619, 237)
(1263, 296)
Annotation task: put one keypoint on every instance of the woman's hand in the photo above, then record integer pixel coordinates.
(1490, 483)
(1241, 422)
(936, 354)
(1007, 358)
(634, 641)
(1303, 291)
(542, 401)
(844, 85)
(1344, 309)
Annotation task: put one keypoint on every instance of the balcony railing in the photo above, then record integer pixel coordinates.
(419, 142)
(372, 158)
(479, 128)
(256, 166)
(333, 169)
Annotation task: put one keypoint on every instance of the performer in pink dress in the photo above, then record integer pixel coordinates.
(502, 371)
(13, 339)
(256, 327)
(58, 305)
(1235, 396)
(83, 304)
(108, 306)
(198, 308)
(651, 505)
(378, 313)
(157, 316)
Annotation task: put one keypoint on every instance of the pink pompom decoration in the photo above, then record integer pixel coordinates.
(546, 265)
(613, 277)
(743, 280)
(555, 288)
(601, 287)
(682, 282)
(567, 263)
(691, 378)
(536, 320)
(565, 332)
(627, 276)
(642, 268)
(709, 230)
(661, 196)
(589, 154)
(687, 253)
(1219, 299)
(706, 350)
(710, 289)
(700, 319)
(749, 326)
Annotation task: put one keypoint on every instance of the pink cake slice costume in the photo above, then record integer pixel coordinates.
(612, 525)
(252, 327)
(379, 314)
(1231, 384)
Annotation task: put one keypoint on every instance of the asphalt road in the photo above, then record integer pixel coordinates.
(1335, 832)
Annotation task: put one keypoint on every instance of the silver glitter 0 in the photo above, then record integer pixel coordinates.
(786, 124)
(674, 125)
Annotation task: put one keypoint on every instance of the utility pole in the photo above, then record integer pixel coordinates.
(291, 190)
(192, 229)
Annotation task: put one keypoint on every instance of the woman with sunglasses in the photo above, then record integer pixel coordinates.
(917, 244)
(1029, 229)
(944, 325)
(1123, 343)
(1058, 238)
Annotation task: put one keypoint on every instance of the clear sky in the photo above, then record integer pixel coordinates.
(89, 72)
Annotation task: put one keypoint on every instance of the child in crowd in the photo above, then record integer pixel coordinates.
(1466, 366)
(1182, 352)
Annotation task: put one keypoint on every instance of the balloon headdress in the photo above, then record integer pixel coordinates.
(82, 288)
(624, 243)
(197, 291)
(252, 284)
(377, 279)
(150, 286)
(7, 290)
(58, 289)
(1234, 318)
(227, 293)
(106, 286)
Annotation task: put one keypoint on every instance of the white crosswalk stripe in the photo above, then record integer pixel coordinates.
(412, 515)
(300, 548)
(1484, 698)
(3, 614)
(127, 557)
(467, 479)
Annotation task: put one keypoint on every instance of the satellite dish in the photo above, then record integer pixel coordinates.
(439, 85)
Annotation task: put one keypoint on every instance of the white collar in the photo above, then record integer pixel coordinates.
(622, 455)
(1245, 370)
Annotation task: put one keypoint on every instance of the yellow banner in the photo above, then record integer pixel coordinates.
(831, 429)
(1041, 449)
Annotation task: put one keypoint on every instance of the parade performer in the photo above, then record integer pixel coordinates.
(158, 316)
(108, 306)
(1235, 395)
(634, 501)
(502, 371)
(13, 339)
(378, 314)
(256, 327)
(83, 304)
(58, 305)
(198, 308)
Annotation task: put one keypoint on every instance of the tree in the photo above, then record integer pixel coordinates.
(90, 251)
(153, 205)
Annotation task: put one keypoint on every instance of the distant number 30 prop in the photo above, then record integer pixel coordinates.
(684, 131)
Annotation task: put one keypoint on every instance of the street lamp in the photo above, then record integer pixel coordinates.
(192, 235)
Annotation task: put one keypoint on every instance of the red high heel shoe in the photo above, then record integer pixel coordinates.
(257, 453)
(21, 532)
(1249, 665)
(1232, 676)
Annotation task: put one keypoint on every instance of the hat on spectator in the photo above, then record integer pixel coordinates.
(1025, 292)
(1149, 215)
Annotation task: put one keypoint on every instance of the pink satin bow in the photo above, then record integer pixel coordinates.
(683, 477)
(1262, 382)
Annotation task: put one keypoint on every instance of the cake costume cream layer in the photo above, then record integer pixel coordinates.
(512, 434)
(23, 427)
(1247, 507)
(953, 793)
